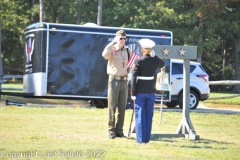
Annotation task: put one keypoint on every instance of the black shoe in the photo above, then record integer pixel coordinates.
(134, 130)
(112, 135)
(120, 135)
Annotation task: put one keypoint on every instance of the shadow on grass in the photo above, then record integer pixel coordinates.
(178, 140)
(37, 101)
(201, 143)
(207, 143)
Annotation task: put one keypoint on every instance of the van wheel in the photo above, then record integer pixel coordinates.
(99, 103)
(193, 100)
(171, 104)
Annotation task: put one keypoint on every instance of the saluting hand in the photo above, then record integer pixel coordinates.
(152, 53)
(133, 98)
(116, 39)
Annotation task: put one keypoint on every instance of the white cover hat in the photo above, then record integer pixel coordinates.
(146, 43)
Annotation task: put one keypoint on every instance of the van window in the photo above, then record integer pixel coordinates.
(177, 68)
(202, 68)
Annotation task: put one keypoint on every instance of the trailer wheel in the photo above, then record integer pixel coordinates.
(99, 103)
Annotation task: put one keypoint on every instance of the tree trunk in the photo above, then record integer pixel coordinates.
(223, 58)
(99, 18)
(41, 15)
(223, 63)
(200, 40)
(1, 67)
(236, 59)
(78, 12)
(33, 17)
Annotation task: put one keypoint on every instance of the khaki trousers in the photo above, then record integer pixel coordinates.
(117, 99)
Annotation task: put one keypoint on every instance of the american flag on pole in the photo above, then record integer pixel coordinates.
(134, 55)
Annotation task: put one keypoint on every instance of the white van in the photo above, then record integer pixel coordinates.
(199, 84)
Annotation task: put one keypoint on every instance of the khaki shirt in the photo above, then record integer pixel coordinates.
(117, 59)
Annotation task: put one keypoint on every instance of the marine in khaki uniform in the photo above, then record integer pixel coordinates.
(117, 55)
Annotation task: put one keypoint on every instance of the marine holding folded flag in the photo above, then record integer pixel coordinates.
(143, 89)
(117, 55)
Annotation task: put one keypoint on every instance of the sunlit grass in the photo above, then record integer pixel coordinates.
(224, 98)
(13, 85)
(220, 94)
(55, 132)
(9, 87)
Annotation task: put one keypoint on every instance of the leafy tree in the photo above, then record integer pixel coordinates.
(212, 26)
(60, 11)
(231, 31)
(222, 19)
(14, 16)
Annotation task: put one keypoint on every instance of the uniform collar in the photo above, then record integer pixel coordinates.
(147, 55)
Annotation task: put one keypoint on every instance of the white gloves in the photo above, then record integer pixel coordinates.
(133, 98)
(116, 39)
(152, 53)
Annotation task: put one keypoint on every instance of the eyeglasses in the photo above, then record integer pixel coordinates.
(122, 38)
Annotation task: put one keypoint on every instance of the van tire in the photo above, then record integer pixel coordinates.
(171, 104)
(99, 103)
(193, 100)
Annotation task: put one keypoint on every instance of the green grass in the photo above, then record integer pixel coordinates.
(220, 94)
(228, 101)
(224, 98)
(57, 133)
(13, 85)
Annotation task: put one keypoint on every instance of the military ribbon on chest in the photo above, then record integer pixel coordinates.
(115, 52)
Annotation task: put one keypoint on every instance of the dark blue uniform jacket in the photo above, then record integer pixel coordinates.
(145, 66)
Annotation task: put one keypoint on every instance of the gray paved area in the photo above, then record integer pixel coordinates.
(200, 108)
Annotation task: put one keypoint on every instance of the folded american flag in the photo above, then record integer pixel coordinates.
(134, 55)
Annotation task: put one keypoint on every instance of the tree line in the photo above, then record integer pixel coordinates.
(211, 25)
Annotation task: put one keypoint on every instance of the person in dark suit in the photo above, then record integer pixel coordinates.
(143, 89)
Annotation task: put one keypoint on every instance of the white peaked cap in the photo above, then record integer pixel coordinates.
(146, 43)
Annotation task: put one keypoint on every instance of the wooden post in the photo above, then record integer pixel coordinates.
(186, 53)
(1, 67)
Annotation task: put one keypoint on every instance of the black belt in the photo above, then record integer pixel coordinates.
(118, 77)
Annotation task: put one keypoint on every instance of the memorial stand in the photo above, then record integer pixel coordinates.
(186, 53)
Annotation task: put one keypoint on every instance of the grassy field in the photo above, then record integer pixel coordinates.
(12, 85)
(223, 100)
(73, 130)
(81, 133)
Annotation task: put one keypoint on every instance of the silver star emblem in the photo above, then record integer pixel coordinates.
(182, 52)
(165, 51)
